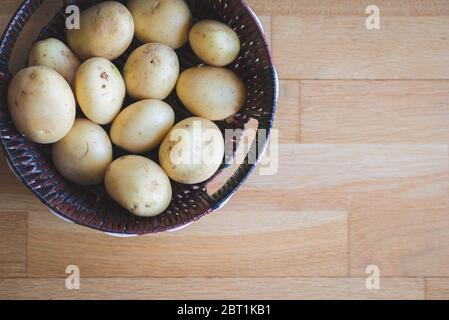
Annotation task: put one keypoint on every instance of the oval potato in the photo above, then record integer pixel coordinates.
(151, 72)
(41, 104)
(100, 90)
(142, 126)
(163, 21)
(54, 54)
(214, 42)
(139, 185)
(192, 151)
(211, 92)
(106, 30)
(84, 154)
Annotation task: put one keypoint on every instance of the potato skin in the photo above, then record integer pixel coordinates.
(211, 92)
(184, 139)
(151, 72)
(214, 42)
(139, 185)
(163, 21)
(41, 104)
(54, 54)
(106, 30)
(142, 126)
(100, 90)
(84, 154)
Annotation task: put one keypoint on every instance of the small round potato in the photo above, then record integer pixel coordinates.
(214, 42)
(41, 104)
(139, 185)
(192, 151)
(163, 21)
(54, 54)
(84, 154)
(106, 30)
(151, 72)
(100, 90)
(142, 126)
(211, 92)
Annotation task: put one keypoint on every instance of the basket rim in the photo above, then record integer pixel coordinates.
(216, 204)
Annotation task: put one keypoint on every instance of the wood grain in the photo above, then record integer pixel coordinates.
(437, 289)
(14, 196)
(221, 245)
(288, 114)
(395, 8)
(375, 112)
(314, 176)
(407, 239)
(342, 48)
(396, 196)
(13, 244)
(218, 288)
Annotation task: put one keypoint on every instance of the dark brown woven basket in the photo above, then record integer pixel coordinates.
(91, 206)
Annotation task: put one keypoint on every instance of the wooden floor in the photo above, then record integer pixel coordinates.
(363, 179)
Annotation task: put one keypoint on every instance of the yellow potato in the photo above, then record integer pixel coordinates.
(139, 185)
(214, 42)
(41, 104)
(211, 92)
(84, 154)
(192, 151)
(162, 21)
(54, 54)
(106, 30)
(100, 90)
(151, 72)
(142, 126)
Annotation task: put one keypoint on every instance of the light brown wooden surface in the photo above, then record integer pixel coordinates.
(13, 244)
(437, 288)
(363, 179)
(214, 288)
(375, 112)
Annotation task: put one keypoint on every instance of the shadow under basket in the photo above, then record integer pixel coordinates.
(91, 206)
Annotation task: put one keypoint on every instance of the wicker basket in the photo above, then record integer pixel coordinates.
(91, 206)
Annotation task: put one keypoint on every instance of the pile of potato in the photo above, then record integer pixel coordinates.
(43, 98)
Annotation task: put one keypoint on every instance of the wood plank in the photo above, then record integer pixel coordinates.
(318, 176)
(4, 19)
(396, 8)
(266, 24)
(287, 120)
(250, 243)
(342, 48)
(213, 288)
(437, 289)
(396, 195)
(14, 196)
(403, 235)
(13, 244)
(322, 7)
(375, 111)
